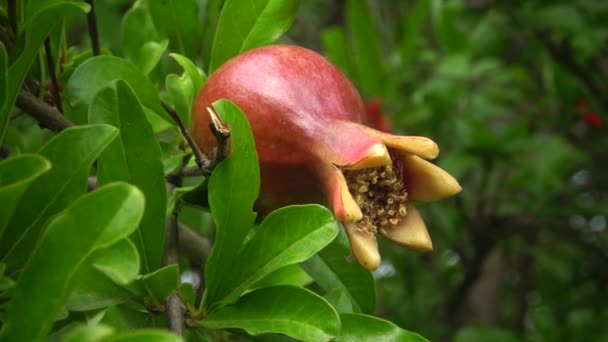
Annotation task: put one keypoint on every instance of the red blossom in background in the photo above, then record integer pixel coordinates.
(592, 119)
(588, 116)
(375, 118)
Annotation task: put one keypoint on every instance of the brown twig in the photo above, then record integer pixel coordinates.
(46, 115)
(51, 66)
(219, 130)
(92, 24)
(174, 308)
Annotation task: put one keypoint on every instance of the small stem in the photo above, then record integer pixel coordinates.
(219, 130)
(51, 66)
(46, 115)
(92, 24)
(174, 308)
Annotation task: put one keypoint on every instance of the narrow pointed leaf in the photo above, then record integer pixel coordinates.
(265, 22)
(134, 157)
(71, 154)
(58, 256)
(288, 310)
(287, 236)
(16, 174)
(231, 199)
(331, 269)
(357, 327)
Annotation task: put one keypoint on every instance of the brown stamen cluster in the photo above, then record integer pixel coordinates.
(381, 195)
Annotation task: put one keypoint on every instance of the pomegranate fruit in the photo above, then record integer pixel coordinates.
(313, 144)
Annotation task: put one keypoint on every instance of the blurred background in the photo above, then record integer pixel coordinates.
(516, 95)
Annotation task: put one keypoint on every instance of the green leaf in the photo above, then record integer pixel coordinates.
(89, 333)
(16, 174)
(119, 262)
(145, 335)
(177, 21)
(288, 310)
(128, 317)
(331, 269)
(197, 76)
(357, 327)
(244, 25)
(288, 275)
(141, 42)
(231, 199)
(161, 283)
(287, 236)
(71, 154)
(94, 290)
(134, 157)
(28, 45)
(98, 72)
(370, 68)
(45, 281)
(181, 94)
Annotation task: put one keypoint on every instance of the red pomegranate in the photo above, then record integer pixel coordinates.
(313, 144)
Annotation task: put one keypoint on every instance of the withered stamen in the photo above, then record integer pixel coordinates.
(381, 195)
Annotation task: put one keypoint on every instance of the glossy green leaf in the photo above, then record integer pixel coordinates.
(181, 94)
(287, 236)
(98, 72)
(94, 290)
(141, 42)
(357, 327)
(331, 269)
(197, 76)
(161, 283)
(119, 262)
(29, 42)
(71, 154)
(177, 21)
(244, 25)
(340, 300)
(288, 310)
(145, 335)
(230, 199)
(132, 316)
(288, 275)
(370, 69)
(59, 254)
(134, 157)
(89, 333)
(16, 174)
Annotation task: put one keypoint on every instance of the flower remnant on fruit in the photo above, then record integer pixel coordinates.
(309, 125)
